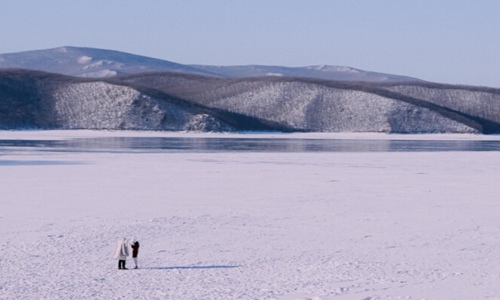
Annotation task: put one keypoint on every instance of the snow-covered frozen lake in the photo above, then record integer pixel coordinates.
(296, 216)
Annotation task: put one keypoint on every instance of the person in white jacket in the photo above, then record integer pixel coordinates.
(121, 253)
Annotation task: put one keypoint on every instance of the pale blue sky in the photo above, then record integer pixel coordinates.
(449, 41)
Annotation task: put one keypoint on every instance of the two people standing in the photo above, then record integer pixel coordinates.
(121, 253)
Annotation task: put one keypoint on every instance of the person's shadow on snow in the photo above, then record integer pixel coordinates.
(191, 267)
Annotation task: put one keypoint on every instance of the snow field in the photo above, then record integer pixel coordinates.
(250, 225)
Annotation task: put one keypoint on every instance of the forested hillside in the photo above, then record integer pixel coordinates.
(30, 99)
(176, 101)
(321, 105)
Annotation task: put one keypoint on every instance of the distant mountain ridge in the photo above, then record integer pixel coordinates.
(99, 63)
(339, 73)
(90, 62)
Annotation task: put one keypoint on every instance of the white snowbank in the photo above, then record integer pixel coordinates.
(249, 225)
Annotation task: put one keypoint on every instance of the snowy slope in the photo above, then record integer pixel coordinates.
(319, 105)
(174, 101)
(317, 108)
(31, 99)
(100, 105)
(482, 103)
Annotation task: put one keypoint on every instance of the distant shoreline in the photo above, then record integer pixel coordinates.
(68, 134)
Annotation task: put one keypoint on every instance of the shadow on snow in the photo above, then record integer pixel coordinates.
(191, 267)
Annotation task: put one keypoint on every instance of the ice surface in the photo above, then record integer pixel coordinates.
(249, 225)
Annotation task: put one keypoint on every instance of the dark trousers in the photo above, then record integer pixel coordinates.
(121, 264)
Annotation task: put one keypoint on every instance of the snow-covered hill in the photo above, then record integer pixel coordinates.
(98, 63)
(319, 105)
(175, 101)
(30, 99)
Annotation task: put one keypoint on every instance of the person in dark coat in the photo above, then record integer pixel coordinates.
(135, 252)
